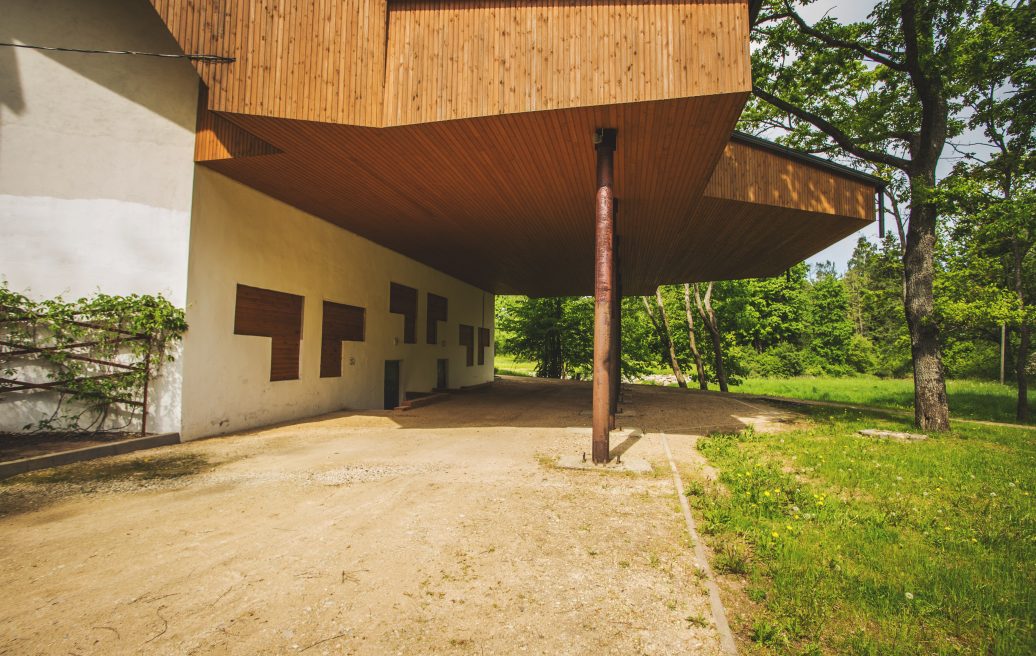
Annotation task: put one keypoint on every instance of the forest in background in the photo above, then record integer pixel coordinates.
(810, 321)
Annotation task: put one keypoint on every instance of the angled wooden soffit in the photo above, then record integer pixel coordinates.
(217, 138)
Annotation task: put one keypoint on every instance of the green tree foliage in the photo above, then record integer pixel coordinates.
(874, 284)
(557, 335)
(886, 93)
(992, 197)
(828, 326)
(809, 321)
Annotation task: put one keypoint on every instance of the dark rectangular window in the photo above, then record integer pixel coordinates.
(341, 323)
(277, 315)
(403, 300)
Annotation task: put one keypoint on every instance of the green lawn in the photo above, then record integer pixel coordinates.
(508, 366)
(852, 545)
(969, 399)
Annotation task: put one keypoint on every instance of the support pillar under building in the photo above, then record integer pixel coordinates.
(604, 294)
(616, 316)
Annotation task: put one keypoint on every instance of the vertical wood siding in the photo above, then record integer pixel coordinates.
(754, 175)
(449, 60)
(317, 60)
(380, 63)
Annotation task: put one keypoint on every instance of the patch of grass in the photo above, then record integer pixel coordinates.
(732, 556)
(509, 366)
(861, 546)
(144, 468)
(969, 399)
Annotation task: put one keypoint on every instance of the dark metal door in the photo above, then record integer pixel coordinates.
(440, 374)
(391, 384)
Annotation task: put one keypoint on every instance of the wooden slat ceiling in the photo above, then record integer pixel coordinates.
(506, 202)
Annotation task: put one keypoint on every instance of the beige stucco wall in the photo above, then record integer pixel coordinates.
(96, 162)
(242, 236)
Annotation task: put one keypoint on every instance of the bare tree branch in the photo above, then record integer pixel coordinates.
(835, 42)
(841, 138)
(898, 215)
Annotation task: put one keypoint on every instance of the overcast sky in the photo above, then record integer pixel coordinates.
(854, 10)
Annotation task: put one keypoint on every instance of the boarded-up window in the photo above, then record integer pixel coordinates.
(403, 300)
(341, 323)
(467, 339)
(483, 344)
(277, 315)
(437, 311)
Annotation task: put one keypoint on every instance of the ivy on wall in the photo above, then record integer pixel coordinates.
(94, 354)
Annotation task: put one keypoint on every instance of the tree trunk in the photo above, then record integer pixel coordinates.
(709, 316)
(1025, 334)
(931, 408)
(553, 360)
(666, 337)
(703, 382)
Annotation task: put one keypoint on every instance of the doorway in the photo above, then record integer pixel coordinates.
(391, 384)
(441, 369)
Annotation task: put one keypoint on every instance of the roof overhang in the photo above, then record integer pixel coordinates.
(460, 134)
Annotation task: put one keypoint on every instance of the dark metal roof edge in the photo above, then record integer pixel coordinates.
(807, 158)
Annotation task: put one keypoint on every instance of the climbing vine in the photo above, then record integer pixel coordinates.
(95, 355)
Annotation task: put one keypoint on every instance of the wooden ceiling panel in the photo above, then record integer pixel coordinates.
(503, 202)
(506, 203)
(732, 239)
(459, 133)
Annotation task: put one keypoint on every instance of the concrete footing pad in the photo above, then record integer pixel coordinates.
(633, 465)
(623, 412)
(618, 463)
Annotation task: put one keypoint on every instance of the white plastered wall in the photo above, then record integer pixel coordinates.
(240, 235)
(96, 163)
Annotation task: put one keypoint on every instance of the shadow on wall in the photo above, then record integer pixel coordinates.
(92, 24)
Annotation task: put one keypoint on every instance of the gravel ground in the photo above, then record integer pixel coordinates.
(444, 530)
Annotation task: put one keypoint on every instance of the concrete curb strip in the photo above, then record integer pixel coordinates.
(23, 465)
(719, 614)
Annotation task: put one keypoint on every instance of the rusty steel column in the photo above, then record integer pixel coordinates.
(615, 373)
(604, 263)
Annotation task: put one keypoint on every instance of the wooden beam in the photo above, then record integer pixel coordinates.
(604, 264)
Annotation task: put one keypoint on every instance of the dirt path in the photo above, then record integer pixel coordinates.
(441, 530)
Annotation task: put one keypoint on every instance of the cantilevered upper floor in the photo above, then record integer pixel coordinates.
(460, 134)
(383, 63)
